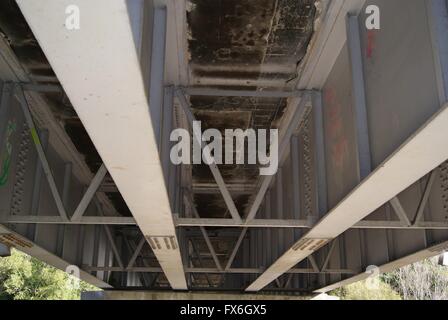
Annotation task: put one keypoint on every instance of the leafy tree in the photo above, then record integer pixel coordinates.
(25, 278)
(425, 280)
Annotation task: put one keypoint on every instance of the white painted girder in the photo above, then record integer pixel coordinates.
(421, 153)
(99, 69)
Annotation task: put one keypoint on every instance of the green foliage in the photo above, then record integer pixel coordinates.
(25, 278)
(425, 280)
(362, 291)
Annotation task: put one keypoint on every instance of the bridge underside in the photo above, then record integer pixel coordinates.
(86, 115)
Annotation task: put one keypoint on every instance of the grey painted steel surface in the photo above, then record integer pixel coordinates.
(89, 194)
(5, 251)
(16, 194)
(400, 94)
(405, 84)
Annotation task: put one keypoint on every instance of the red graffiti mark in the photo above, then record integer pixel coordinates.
(329, 96)
(339, 147)
(370, 43)
(335, 125)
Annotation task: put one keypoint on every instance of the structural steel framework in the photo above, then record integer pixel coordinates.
(363, 171)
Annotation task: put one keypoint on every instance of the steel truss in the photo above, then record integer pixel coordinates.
(249, 221)
(64, 218)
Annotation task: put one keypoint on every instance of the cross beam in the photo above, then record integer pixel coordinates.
(219, 222)
(217, 271)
